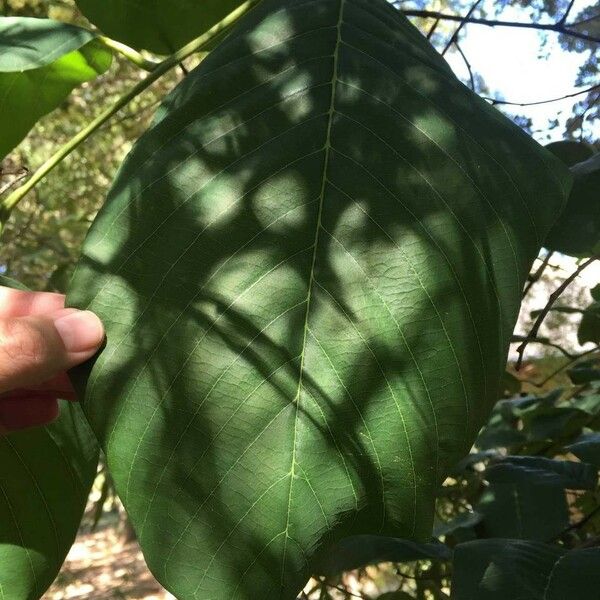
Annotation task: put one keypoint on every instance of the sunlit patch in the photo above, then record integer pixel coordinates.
(220, 200)
(282, 204)
(434, 126)
(422, 77)
(273, 30)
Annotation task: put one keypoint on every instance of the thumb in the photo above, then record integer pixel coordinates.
(33, 349)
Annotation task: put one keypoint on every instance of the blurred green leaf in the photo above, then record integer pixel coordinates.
(161, 26)
(541, 471)
(511, 569)
(587, 448)
(523, 511)
(589, 328)
(582, 375)
(41, 61)
(12, 283)
(464, 521)
(577, 231)
(361, 550)
(549, 422)
(571, 152)
(45, 478)
(499, 432)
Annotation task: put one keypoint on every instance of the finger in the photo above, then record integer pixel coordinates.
(22, 414)
(34, 349)
(18, 303)
(22, 394)
(60, 386)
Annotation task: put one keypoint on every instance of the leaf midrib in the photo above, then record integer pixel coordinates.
(326, 160)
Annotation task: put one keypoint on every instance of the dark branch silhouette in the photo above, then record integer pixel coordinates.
(555, 27)
(548, 101)
(463, 22)
(554, 296)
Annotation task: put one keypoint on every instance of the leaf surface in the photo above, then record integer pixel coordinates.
(41, 61)
(309, 270)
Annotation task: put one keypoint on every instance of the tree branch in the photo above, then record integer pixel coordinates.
(495, 101)
(544, 342)
(130, 54)
(555, 27)
(463, 22)
(544, 312)
(166, 65)
(577, 524)
(554, 373)
(564, 18)
(467, 63)
(535, 277)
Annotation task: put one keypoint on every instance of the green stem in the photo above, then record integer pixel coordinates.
(172, 61)
(137, 58)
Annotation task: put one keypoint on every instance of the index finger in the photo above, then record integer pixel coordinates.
(17, 303)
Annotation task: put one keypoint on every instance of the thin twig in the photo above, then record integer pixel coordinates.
(551, 300)
(577, 524)
(544, 342)
(555, 27)
(584, 21)
(10, 184)
(495, 101)
(339, 588)
(133, 56)
(467, 63)
(432, 28)
(582, 117)
(463, 22)
(564, 18)
(535, 277)
(554, 373)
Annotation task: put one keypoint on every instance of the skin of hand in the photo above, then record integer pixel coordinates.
(40, 340)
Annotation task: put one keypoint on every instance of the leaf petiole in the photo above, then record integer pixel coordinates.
(9, 203)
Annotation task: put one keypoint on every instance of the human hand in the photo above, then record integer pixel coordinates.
(39, 341)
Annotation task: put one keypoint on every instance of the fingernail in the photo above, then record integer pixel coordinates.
(80, 331)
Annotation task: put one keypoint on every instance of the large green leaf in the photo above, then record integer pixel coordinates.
(161, 26)
(45, 478)
(511, 569)
(41, 61)
(309, 270)
(577, 232)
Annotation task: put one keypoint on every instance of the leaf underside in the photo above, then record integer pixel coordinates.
(309, 270)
